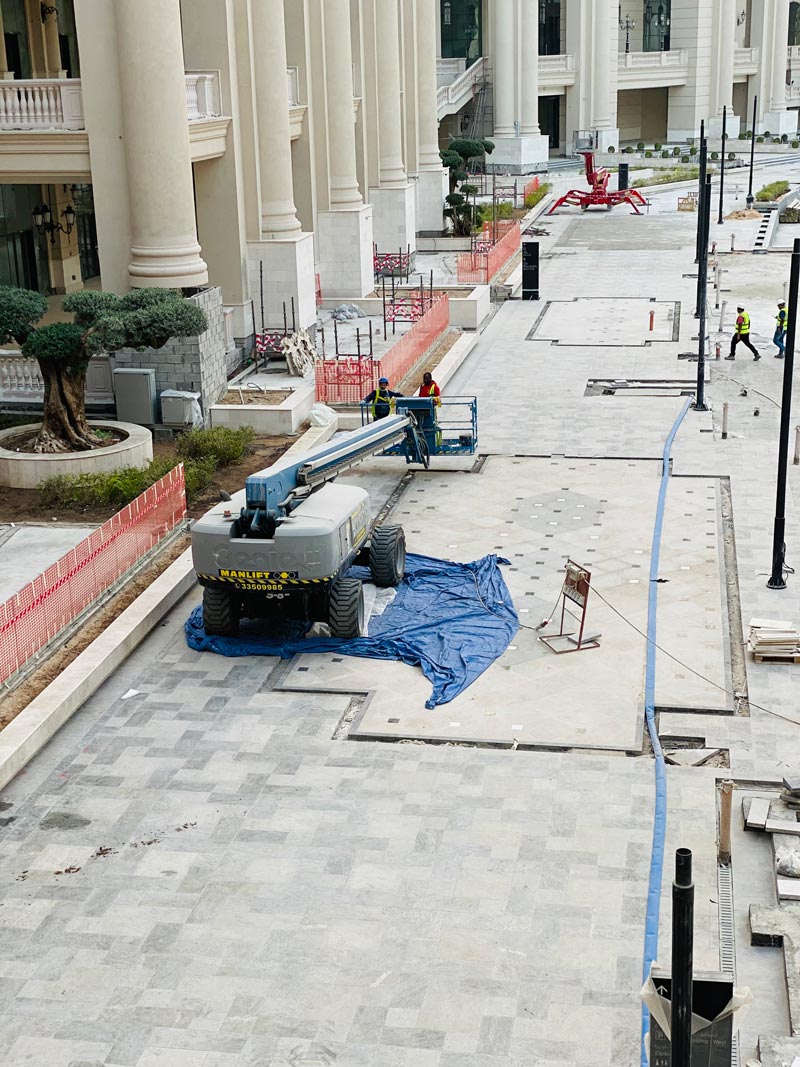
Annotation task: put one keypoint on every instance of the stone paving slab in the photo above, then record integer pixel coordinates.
(27, 550)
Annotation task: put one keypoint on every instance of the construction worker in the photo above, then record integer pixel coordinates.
(381, 399)
(430, 388)
(742, 334)
(781, 320)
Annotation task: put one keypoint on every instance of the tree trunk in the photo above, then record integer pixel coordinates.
(64, 426)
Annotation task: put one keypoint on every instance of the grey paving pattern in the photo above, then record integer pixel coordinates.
(239, 888)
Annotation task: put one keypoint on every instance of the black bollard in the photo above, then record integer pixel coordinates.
(682, 944)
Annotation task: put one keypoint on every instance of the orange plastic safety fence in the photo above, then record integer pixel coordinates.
(44, 607)
(348, 380)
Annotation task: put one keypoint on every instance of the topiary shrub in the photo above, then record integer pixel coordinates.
(784, 138)
(102, 322)
(665, 154)
(759, 140)
(795, 144)
(715, 155)
(693, 150)
(767, 133)
(611, 148)
(640, 146)
(731, 156)
(685, 159)
(657, 146)
(648, 154)
(748, 136)
(676, 151)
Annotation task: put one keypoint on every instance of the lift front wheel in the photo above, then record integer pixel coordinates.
(346, 608)
(220, 612)
(387, 555)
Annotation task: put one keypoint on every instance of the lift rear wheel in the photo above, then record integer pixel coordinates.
(220, 612)
(346, 607)
(387, 555)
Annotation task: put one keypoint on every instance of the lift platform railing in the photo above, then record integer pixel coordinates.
(448, 429)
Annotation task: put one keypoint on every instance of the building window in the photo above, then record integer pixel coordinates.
(549, 27)
(655, 32)
(462, 29)
(794, 24)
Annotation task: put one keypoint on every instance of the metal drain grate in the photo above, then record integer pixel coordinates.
(727, 936)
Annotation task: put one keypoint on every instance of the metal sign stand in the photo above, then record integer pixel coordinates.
(575, 589)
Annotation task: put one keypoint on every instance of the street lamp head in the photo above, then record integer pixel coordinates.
(46, 215)
(69, 217)
(38, 216)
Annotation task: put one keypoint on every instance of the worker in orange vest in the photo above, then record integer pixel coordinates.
(430, 388)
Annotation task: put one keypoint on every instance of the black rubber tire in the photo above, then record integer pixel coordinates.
(346, 608)
(220, 612)
(387, 555)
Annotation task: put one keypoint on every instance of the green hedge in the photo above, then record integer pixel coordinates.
(532, 199)
(202, 452)
(772, 191)
(222, 444)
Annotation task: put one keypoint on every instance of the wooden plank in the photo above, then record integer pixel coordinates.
(758, 814)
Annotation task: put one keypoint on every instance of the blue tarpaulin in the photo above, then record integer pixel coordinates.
(451, 619)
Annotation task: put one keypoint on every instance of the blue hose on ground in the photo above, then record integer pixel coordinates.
(660, 816)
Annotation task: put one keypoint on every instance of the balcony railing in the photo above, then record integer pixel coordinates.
(560, 64)
(447, 70)
(41, 104)
(293, 78)
(57, 103)
(202, 95)
(675, 58)
(745, 59)
(793, 52)
(450, 98)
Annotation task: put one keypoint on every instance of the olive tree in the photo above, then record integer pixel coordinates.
(102, 322)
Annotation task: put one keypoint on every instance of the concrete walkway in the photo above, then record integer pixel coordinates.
(206, 871)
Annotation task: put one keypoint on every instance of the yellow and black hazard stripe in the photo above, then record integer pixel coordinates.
(270, 581)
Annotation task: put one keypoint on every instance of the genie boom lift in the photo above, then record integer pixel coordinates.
(285, 552)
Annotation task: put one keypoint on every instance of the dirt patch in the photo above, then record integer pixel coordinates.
(27, 505)
(744, 213)
(412, 382)
(255, 396)
(19, 698)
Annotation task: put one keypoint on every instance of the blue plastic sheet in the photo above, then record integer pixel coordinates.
(451, 619)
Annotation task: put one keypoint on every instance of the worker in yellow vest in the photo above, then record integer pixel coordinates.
(742, 334)
(781, 320)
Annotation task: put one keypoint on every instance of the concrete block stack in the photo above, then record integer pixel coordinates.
(776, 639)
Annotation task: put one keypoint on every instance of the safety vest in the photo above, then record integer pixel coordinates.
(431, 391)
(781, 318)
(384, 400)
(744, 326)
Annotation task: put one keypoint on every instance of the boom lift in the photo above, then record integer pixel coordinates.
(283, 545)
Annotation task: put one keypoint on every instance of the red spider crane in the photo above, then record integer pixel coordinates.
(599, 195)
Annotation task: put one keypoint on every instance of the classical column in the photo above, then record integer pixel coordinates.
(504, 67)
(427, 18)
(52, 45)
(726, 48)
(164, 250)
(779, 55)
(344, 191)
(278, 213)
(392, 171)
(601, 59)
(529, 68)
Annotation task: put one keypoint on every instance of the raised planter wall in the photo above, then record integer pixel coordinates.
(283, 418)
(24, 470)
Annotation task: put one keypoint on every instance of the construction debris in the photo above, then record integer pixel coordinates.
(344, 312)
(299, 353)
(774, 639)
(744, 213)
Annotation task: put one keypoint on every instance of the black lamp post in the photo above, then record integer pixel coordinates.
(627, 24)
(752, 152)
(777, 579)
(722, 163)
(43, 221)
